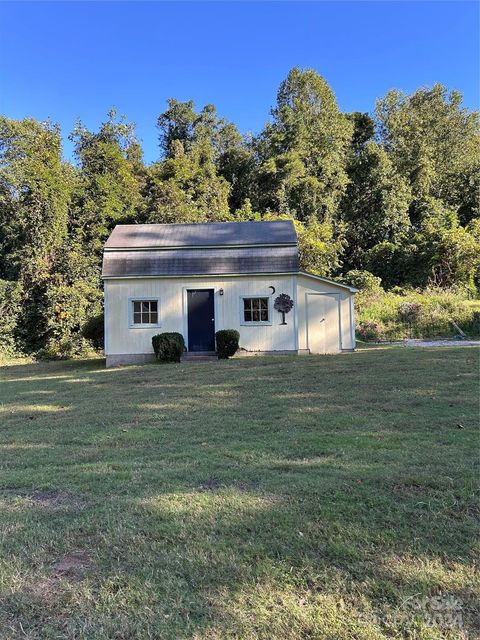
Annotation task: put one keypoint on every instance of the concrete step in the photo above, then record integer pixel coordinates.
(199, 356)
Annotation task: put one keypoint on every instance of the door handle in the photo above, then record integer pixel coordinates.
(322, 320)
(213, 319)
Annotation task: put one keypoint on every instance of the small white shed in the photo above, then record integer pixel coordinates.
(198, 278)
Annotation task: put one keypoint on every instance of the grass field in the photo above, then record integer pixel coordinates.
(316, 497)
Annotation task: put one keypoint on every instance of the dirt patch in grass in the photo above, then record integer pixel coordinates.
(212, 484)
(409, 490)
(72, 568)
(55, 499)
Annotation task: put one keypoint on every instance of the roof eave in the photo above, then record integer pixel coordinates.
(233, 275)
(107, 249)
(202, 275)
(328, 280)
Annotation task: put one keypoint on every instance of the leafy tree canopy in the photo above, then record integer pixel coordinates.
(392, 197)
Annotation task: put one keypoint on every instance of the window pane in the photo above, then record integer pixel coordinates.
(136, 307)
(154, 317)
(255, 309)
(145, 307)
(137, 318)
(153, 306)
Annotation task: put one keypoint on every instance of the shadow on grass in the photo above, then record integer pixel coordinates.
(339, 477)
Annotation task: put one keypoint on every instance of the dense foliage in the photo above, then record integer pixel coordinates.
(168, 346)
(396, 194)
(94, 331)
(402, 313)
(227, 343)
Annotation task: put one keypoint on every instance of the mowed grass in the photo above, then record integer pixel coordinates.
(309, 497)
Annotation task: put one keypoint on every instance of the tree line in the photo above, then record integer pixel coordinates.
(395, 195)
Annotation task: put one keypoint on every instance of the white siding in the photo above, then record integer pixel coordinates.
(306, 286)
(121, 339)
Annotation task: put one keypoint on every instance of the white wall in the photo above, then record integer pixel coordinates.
(120, 338)
(307, 285)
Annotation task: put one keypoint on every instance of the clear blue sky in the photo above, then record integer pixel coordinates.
(68, 60)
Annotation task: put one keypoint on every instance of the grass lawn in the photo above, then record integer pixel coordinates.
(259, 498)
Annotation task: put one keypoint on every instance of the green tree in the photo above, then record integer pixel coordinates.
(376, 204)
(302, 153)
(434, 143)
(319, 244)
(186, 187)
(453, 252)
(437, 252)
(35, 188)
(110, 178)
(176, 124)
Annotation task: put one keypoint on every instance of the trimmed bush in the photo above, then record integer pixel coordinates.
(94, 330)
(227, 343)
(168, 346)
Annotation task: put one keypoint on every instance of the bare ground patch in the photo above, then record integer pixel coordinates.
(55, 499)
(409, 490)
(71, 568)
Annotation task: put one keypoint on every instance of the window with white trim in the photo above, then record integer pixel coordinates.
(256, 310)
(144, 312)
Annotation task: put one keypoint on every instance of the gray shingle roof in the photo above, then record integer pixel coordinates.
(182, 262)
(218, 234)
(201, 249)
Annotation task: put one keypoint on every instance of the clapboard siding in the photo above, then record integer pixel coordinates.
(122, 339)
(309, 285)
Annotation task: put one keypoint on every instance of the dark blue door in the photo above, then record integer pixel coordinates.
(201, 320)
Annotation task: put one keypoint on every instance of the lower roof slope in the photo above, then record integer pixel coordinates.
(201, 249)
(190, 262)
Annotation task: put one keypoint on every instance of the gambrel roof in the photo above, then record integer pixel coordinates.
(211, 234)
(149, 250)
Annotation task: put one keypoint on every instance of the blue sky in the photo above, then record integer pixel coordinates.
(68, 60)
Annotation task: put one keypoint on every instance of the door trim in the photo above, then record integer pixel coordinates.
(337, 298)
(216, 315)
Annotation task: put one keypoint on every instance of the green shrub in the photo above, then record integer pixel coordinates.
(227, 343)
(370, 331)
(10, 298)
(410, 313)
(363, 280)
(168, 346)
(471, 326)
(64, 348)
(94, 330)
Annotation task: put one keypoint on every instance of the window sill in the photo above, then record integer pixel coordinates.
(145, 326)
(255, 324)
